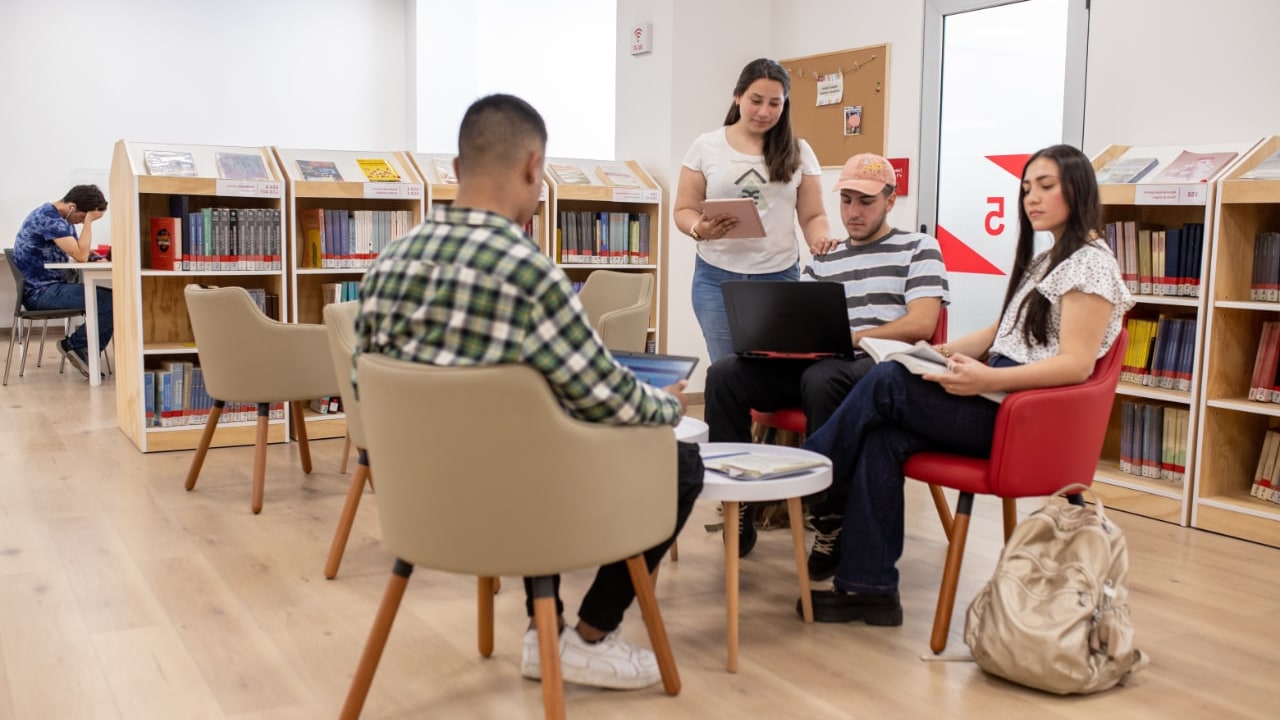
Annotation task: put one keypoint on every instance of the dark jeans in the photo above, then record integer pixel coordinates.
(63, 296)
(611, 593)
(737, 385)
(889, 415)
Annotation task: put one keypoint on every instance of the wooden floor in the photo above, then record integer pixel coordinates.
(123, 596)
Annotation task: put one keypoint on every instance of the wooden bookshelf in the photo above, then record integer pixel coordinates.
(151, 323)
(1232, 427)
(370, 215)
(636, 194)
(432, 167)
(1156, 202)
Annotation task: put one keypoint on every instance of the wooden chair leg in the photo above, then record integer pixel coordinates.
(206, 437)
(944, 511)
(548, 625)
(377, 640)
(348, 517)
(1010, 513)
(951, 574)
(346, 454)
(796, 515)
(484, 615)
(653, 623)
(300, 433)
(731, 582)
(260, 456)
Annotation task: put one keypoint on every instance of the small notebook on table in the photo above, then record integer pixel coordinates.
(760, 466)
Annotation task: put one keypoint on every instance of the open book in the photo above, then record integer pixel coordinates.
(760, 466)
(920, 358)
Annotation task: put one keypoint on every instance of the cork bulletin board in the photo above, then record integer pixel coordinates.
(855, 123)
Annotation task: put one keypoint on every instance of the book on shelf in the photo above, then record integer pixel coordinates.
(618, 176)
(760, 465)
(1268, 169)
(1125, 170)
(920, 358)
(165, 243)
(378, 170)
(567, 174)
(169, 163)
(444, 170)
(1153, 441)
(241, 166)
(319, 171)
(1194, 167)
(1264, 285)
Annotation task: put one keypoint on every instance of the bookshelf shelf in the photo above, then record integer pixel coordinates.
(152, 331)
(580, 192)
(1159, 201)
(1233, 428)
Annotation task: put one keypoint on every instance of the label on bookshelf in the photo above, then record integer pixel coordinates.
(412, 191)
(250, 188)
(642, 195)
(1171, 194)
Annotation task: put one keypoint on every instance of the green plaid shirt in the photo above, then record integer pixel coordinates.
(468, 287)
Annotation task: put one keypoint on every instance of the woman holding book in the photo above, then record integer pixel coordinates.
(754, 155)
(1063, 309)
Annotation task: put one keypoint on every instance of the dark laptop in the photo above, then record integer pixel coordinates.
(657, 370)
(786, 319)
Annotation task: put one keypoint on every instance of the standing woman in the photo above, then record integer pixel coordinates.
(755, 155)
(1062, 311)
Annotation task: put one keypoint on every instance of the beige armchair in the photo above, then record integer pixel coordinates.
(248, 357)
(340, 319)
(466, 447)
(618, 305)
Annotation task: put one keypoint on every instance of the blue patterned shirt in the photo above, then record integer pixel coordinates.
(35, 246)
(467, 287)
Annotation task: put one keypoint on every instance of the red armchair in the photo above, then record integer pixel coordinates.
(1045, 439)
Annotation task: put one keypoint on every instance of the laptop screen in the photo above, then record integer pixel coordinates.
(788, 319)
(657, 370)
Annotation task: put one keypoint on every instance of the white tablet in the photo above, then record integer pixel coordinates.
(744, 209)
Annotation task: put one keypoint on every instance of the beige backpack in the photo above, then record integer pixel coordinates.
(1055, 615)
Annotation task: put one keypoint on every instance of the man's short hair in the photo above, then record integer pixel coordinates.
(496, 131)
(87, 198)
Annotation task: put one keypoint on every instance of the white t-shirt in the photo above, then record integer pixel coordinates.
(731, 174)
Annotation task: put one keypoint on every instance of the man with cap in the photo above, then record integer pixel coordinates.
(895, 285)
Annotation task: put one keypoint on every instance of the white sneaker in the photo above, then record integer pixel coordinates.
(530, 655)
(611, 663)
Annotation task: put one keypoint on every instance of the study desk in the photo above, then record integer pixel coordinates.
(91, 274)
(730, 492)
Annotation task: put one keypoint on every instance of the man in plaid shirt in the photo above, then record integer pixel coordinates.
(467, 287)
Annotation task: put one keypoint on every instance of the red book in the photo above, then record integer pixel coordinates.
(166, 243)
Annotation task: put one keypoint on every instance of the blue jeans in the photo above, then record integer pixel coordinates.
(708, 302)
(63, 296)
(889, 415)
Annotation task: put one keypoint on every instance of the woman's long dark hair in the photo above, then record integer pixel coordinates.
(781, 151)
(1080, 191)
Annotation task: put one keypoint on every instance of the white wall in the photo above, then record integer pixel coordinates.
(78, 75)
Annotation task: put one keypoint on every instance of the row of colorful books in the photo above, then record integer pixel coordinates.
(602, 238)
(340, 291)
(1161, 352)
(1264, 284)
(1156, 261)
(1264, 382)
(1266, 478)
(1153, 441)
(175, 395)
(348, 238)
(215, 239)
(326, 405)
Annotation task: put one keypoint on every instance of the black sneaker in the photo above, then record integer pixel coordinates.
(838, 606)
(73, 357)
(825, 556)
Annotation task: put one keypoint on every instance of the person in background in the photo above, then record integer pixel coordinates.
(895, 286)
(754, 155)
(468, 287)
(48, 235)
(1063, 309)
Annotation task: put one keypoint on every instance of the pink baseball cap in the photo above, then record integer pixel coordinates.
(867, 174)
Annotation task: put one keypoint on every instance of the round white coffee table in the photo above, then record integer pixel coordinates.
(730, 492)
(692, 430)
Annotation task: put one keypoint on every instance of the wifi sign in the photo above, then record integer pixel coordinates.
(641, 38)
